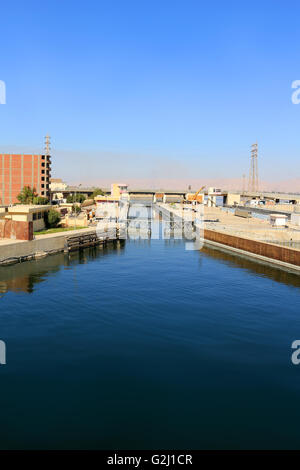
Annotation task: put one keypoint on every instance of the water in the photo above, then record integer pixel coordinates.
(147, 345)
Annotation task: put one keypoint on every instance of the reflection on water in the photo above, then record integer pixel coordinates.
(148, 345)
(23, 277)
(257, 267)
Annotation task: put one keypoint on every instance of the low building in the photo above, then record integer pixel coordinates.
(67, 207)
(78, 220)
(278, 220)
(19, 222)
(29, 213)
(295, 216)
(108, 207)
(118, 189)
(295, 219)
(57, 184)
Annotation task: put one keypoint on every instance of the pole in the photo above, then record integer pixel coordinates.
(75, 210)
(76, 207)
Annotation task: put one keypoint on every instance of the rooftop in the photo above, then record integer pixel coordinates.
(27, 208)
(56, 180)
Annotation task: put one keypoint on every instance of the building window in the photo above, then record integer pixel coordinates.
(43, 163)
(34, 216)
(43, 178)
(39, 215)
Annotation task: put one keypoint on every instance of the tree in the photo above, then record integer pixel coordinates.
(52, 218)
(76, 208)
(97, 192)
(27, 195)
(78, 198)
(40, 201)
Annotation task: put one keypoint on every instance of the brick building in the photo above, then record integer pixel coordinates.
(17, 171)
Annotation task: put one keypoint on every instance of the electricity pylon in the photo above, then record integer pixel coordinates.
(253, 172)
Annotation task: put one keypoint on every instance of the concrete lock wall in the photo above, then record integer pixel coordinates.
(20, 250)
(286, 255)
(46, 244)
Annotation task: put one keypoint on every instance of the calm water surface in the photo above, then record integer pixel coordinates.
(148, 345)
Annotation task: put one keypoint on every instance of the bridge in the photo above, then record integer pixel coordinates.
(276, 196)
(139, 193)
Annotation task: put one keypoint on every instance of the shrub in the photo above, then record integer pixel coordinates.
(76, 208)
(52, 218)
(97, 192)
(40, 201)
(79, 198)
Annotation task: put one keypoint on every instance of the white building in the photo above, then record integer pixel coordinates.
(57, 184)
(278, 220)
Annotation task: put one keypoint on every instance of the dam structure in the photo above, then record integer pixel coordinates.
(196, 224)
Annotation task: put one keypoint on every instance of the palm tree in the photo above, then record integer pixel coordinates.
(27, 195)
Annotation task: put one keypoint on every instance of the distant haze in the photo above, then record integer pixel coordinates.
(101, 168)
(292, 185)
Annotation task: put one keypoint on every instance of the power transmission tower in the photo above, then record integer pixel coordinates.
(253, 172)
(47, 145)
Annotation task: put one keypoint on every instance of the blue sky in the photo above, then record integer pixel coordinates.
(177, 88)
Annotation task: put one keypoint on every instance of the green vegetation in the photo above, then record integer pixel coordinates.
(56, 230)
(27, 195)
(52, 218)
(40, 201)
(76, 208)
(78, 198)
(97, 192)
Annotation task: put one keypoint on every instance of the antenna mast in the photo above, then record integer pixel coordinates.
(47, 145)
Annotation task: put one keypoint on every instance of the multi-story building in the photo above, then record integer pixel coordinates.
(17, 171)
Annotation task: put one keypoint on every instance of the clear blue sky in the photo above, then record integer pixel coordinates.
(190, 83)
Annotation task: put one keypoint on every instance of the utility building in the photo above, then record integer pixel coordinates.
(17, 171)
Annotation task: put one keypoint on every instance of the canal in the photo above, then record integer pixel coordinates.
(147, 345)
